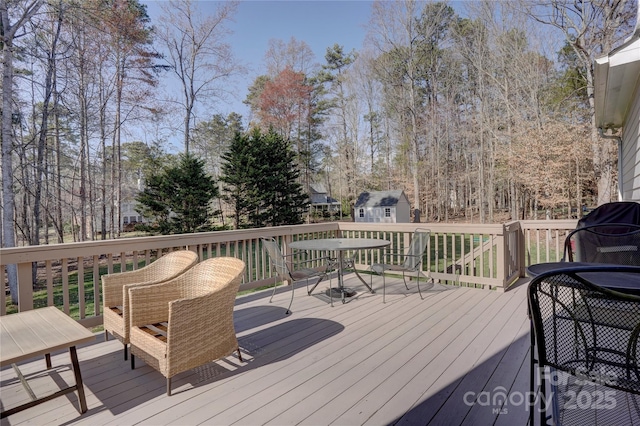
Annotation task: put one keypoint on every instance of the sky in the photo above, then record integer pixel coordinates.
(320, 24)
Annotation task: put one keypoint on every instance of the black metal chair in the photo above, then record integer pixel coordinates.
(587, 347)
(614, 243)
(281, 267)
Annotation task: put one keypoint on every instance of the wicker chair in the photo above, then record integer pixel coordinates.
(186, 322)
(411, 261)
(115, 296)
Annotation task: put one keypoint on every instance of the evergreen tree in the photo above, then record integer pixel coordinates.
(261, 181)
(237, 164)
(282, 200)
(178, 197)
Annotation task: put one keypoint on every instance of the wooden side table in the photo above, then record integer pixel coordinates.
(39, 332)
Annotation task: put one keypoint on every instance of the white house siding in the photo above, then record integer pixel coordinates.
(129, 214)
(376, 215)
(630, 156)
(379, 208)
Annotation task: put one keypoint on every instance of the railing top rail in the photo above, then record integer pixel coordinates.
(89, 248)
(16, 255)
(435, 227)
(549, 224)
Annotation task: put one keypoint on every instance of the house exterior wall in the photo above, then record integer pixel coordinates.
(630, 153)
(130, 215)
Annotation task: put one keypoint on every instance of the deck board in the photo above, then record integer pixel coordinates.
(407, 361)
(434, 359)
(491, 327)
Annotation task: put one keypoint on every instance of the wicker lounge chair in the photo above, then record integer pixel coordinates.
(188, 321)
(115, 296)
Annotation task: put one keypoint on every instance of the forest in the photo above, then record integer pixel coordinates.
(480, 117)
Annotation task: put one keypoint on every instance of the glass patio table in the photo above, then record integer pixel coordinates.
(340, 246)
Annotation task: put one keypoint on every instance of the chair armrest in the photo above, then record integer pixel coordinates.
(113, 284)
(150, 303)
(330, 260)
(201, 327)
(394, 254)
(291, 255)
(197, 319)
(317, 259)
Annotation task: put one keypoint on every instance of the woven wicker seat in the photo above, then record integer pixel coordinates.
(115, 295)
(188, 321)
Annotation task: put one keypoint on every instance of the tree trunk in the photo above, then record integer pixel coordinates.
(8, 196)
(44, 131)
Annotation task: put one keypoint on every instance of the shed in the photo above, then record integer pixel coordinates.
(383, 206)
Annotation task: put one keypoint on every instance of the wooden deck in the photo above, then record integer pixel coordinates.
(409, 361)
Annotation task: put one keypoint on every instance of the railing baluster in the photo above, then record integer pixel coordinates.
(65, 285)
(97, 284)
(81, 301)
(49, 275)
(452, 254)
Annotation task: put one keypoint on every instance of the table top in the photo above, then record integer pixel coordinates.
(339, 244)
(614, 280)
(38, 332)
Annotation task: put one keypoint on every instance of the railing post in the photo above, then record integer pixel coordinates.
(503, 259)
(522, 255)
(25, 287)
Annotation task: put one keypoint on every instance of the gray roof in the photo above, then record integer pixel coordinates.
(379, 198)
(322, 199)
(317, 188)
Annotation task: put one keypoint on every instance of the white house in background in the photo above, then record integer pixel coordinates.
(129, 214)
(320, 199)
(617, 105)
(383, 207)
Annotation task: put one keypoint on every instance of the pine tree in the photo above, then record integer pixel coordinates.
(237, 163)
(178, 197)
(281, 195)
(261, 181)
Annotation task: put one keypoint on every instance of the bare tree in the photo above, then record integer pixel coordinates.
(197, 53)
(591, 28)
(394, 35)
(294, 54)
(334, 75)
(39, 180)
(21, 12)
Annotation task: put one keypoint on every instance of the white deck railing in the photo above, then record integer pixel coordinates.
(486, 256)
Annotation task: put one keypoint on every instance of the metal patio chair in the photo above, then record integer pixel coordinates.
(281, 267)
(587, 347)
(615, 243)
(408, 262)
